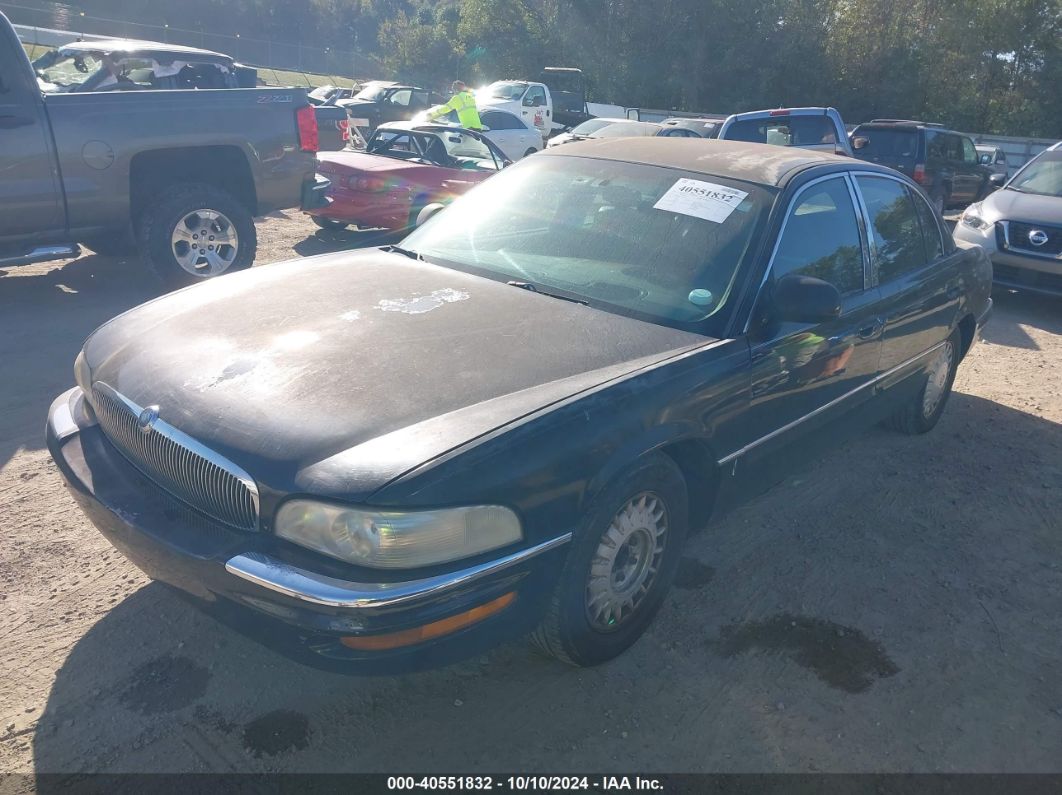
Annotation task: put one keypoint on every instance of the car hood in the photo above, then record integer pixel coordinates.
(331, 162)
(334, 375)
(1011, 205)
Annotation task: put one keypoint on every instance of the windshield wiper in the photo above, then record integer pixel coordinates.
(534, 289)
(405, 252)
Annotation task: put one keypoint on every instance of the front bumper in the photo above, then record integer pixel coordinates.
(1014, 269)
(277, 593)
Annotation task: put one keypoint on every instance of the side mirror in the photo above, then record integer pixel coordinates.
(860, 141)
(805, 299)
(996, 181)
(428, 211)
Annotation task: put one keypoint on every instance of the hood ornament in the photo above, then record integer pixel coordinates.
(147, 418)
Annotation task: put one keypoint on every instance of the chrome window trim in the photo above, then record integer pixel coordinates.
(163, 428)
(1029, 251)
(789, 426)
(781, 233)
(318, 589)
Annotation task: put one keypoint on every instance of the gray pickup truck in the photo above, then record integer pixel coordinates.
(180, 175)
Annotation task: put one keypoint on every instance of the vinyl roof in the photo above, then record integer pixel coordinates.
(760, 163)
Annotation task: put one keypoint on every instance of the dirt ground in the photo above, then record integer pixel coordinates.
(893, 608)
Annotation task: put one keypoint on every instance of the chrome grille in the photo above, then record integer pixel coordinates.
(177, 462)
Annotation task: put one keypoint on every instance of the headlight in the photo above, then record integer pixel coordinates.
(397, 539)
(82, 374)
(972, 218)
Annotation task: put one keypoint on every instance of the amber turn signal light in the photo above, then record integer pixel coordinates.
(436, 629)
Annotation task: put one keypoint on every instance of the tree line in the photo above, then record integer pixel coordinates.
(990, 66)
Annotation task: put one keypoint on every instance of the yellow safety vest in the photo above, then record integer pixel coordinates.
(465, 105)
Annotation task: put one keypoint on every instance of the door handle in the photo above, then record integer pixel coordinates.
(11, 121)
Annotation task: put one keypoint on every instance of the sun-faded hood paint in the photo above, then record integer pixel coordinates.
(336, 374)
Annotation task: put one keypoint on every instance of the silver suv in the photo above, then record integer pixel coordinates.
(1020, 226)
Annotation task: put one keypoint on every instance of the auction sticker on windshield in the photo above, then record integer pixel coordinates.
(705, 200)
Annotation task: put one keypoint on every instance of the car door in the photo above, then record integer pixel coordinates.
(29, 191)
(804, 374)
(534, 109)
(910, 263)
(395, 107)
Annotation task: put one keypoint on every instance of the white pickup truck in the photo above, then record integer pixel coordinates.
(555, 102)
(530, 101)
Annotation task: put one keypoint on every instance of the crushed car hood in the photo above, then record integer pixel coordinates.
(337, 374)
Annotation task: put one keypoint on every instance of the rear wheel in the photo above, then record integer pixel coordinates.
(530, 152)
(195, 233)
(923, 411)
(622, 562)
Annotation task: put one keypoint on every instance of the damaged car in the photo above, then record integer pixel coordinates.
(510, 422)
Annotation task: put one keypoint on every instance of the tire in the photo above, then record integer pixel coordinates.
(329, 224)
(419, 203)
(577, 628)
(118, 244)
(195, 208)
(923, 411)
(530, 152)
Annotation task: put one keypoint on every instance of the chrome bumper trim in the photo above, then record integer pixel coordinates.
(318, 589)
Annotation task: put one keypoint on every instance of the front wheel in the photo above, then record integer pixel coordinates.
(622, 562)
(197, 232)
(923, 411)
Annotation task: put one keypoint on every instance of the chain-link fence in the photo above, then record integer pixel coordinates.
(290, 56)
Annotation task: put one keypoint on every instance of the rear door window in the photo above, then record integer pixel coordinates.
(894, 227)
(930, 228)
(821, 238)
(898, 144)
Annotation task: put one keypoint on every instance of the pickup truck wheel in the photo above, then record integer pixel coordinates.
(621, 564)
(195, 233)
(923, 411)
(328, 223)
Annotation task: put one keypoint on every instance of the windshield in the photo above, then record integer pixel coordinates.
(322, 92)
(625, 129)
(507, 90)
(70, 71)
(593, 125)
(371, 93)
(656, 243)
(1043, 176)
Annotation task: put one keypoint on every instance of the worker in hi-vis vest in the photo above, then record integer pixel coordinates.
(464, 102)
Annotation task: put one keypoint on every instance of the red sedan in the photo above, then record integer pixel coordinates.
(404, 167)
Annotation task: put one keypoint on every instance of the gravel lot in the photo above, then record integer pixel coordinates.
(893, 608)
